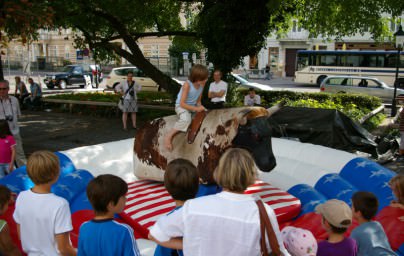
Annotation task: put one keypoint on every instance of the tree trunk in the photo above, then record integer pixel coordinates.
(1, 69)
(136, 57)
(154, 73)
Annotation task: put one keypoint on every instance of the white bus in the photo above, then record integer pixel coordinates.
(313, 66)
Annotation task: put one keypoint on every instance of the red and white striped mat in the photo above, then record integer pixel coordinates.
(148, 200)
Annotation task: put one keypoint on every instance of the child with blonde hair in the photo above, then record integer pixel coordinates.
(43, 218)
(188, 101)
(226, 223)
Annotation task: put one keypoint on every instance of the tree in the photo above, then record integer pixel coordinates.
(21, 19)
(231, 29)
(103, 22)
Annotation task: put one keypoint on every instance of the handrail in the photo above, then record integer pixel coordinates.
(370, 114)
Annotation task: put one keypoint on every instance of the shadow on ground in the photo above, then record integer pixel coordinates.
(61, 131)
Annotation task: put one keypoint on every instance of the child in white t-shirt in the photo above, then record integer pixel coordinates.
(43, 219)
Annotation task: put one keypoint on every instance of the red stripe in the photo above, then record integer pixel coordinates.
(263, 190)
(145, 193)
(277, 194)
(149, 207)
(156, 213)
(139, 190)
(272, 202)
(139, 183)
(147, 200)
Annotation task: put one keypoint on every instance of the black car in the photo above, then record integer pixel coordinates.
(71, 75)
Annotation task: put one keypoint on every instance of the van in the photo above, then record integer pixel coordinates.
(119, 74)
(359, 84)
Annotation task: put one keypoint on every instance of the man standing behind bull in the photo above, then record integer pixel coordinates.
(217, 91)
(9, 111)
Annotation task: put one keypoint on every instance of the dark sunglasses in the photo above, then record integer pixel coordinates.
(1, 88)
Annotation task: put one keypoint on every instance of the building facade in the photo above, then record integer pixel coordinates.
(280, 53)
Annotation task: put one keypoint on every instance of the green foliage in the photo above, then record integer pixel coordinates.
(373, 122)
(231, 29)
(347, 17)
(353, 105)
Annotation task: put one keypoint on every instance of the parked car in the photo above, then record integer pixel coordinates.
(359, 84)
(238, 79)
(119, 74)
(71, 75)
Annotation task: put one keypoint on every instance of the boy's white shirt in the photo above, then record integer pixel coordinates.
(41, 217)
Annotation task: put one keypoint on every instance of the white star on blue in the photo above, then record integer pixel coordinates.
(74, 175)
(378, 173)
(331, 178)
(361, 164)
(343, 192)
(22, 176)
(386, 185)
(64, 188)
(304, 190)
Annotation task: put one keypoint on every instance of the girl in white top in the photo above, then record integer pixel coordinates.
(227, 223)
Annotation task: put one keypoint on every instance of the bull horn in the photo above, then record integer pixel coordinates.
(275, 108)
(242, 116)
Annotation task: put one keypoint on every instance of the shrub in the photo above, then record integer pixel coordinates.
(272, 97)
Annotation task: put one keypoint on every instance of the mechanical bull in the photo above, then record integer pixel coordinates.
(243, 127)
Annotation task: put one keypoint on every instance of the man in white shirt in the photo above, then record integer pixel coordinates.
(252, 99)
(217, 91)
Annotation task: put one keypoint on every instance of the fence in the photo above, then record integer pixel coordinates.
(20, 65)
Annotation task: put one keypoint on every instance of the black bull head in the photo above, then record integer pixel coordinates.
(255, 137)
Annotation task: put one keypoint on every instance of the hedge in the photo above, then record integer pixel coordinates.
(272, 97)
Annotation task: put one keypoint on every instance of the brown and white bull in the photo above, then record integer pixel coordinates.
(244, 127)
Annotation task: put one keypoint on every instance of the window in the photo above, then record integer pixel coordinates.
(273, 57)
(393, 26)
(67, 52)
(53, 51)
(155, 51)
(328, 60)
(78, 70)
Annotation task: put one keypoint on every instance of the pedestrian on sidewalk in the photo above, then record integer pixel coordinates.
(21, 91)
(128, 90)
(34, 99)
(10, 111)
(267, 72)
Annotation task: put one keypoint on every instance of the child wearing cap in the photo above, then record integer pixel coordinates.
(299, 242)
(337, 217)
(369, 235)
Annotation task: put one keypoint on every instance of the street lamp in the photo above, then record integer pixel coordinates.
(399, 45)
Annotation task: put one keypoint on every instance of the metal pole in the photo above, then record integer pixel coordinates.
(394, 104)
